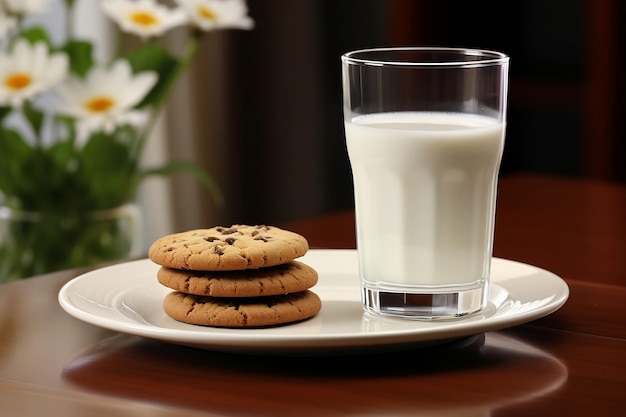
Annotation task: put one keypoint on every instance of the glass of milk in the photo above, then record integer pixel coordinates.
(425, 132)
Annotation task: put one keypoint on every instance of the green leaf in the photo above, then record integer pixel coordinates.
(107, 169)
(61, 155)
(14, 154)
(81, 56)
(36, 34)
(151, 57)
(4, 112)
(192, 168)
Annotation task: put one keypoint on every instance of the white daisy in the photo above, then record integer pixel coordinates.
(24, 7)
(144, 18)
(218, 14)
(106, 97)
(29, 70)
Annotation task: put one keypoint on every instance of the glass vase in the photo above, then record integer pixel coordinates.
(34, 243)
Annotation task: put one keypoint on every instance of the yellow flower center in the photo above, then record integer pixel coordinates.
(207, 13)
(99, 104)
(17, 81)
(144, 18)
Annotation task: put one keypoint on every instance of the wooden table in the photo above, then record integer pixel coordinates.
(571, 363)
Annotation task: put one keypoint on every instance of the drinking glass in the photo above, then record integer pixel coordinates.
(425, 133)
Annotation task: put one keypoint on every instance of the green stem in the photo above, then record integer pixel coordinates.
(119, 44)
(19, 28)
(69, 19)
(183, 63)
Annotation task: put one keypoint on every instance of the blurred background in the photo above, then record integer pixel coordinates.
(262, 109)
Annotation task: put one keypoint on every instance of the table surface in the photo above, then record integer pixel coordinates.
(570, 363)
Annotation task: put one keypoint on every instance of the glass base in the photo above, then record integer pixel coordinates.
(424, 306)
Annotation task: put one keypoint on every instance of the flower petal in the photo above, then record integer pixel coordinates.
(116, 87)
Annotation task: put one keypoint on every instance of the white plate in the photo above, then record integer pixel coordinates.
(127, 298)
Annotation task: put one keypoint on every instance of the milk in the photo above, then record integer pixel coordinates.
(425, 189)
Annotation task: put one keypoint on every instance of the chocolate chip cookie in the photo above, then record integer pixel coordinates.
(242, 312)
(219, 248)
(280, 279)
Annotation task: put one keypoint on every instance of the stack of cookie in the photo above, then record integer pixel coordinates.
(238, 276)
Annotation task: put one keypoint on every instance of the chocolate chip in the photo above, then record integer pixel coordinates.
(211, 238)
(263, 238)
(229, 231)
(218, 249)
(230, 240)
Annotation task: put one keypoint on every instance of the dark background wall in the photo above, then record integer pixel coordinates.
(274, 116)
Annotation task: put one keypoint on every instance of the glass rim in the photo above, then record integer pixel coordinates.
(483, 57)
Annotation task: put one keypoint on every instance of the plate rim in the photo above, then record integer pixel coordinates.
(255, 341)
